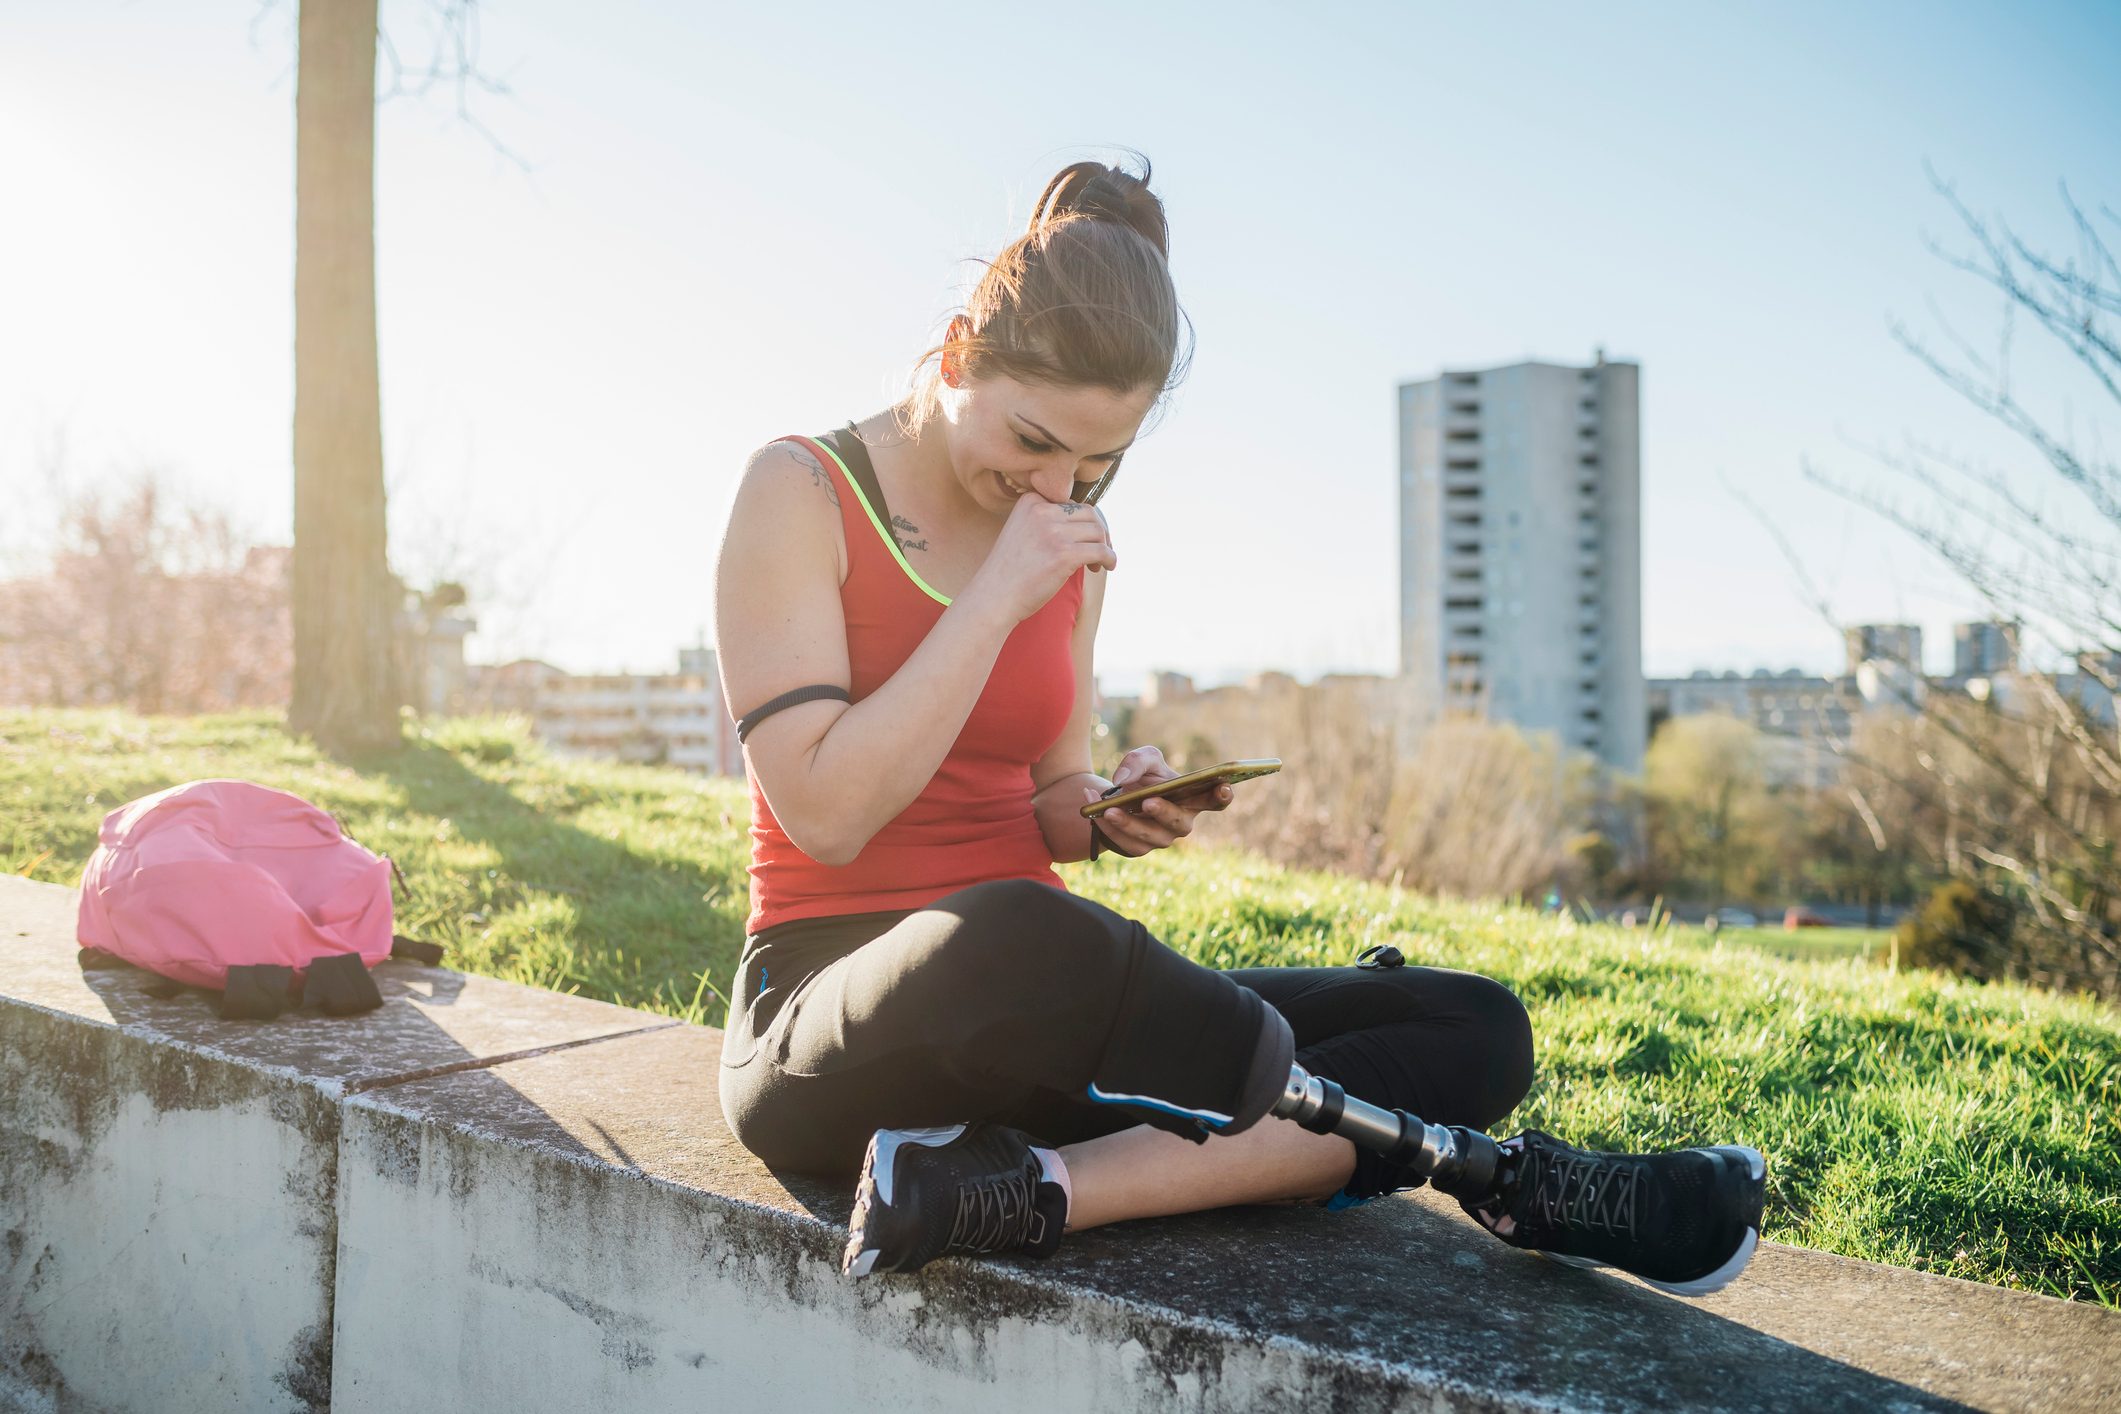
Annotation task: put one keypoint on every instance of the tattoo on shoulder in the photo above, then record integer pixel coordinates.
(818, 475)
(905, 528)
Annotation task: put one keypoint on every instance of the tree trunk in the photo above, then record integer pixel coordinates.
(345, 601)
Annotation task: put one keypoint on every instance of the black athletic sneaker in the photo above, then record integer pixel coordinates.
(1686, 1221)
(959, 1188)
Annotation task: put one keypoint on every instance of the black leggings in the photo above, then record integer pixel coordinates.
(1016, 1002)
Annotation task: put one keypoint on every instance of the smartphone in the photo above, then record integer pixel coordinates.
(1190, 784)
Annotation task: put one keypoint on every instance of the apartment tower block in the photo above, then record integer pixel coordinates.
(1520, 551)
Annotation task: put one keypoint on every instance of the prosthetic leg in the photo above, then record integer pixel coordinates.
(1686, 1221)
(1463, 1163)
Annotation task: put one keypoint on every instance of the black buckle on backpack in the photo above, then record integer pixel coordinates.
(1381, 955)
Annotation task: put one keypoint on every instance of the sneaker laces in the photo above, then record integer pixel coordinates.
(995, 1212)
(1580, 1192)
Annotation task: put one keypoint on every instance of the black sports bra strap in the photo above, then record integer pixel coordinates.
(848, 443)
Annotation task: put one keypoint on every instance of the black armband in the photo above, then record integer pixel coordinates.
(747, 723)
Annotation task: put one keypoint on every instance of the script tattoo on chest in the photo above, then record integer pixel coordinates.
(905, 529)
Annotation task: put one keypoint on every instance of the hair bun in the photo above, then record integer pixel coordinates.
(1104, 193)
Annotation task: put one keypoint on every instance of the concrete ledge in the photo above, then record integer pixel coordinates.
(168, 1180)
(535, 1205)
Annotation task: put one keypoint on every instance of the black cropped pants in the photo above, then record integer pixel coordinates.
(1019, 1003)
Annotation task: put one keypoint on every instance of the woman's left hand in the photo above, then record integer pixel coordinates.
(1154, 823)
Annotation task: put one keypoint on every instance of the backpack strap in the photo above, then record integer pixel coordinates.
(256, 992)
(339, 984)
(413, 950)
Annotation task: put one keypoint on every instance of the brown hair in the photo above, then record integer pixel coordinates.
(1083, 298)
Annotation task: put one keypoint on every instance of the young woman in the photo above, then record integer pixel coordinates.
(906, 610)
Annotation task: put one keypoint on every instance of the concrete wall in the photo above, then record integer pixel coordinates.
(486, 1197)
(169, 1224)
(583, 1282)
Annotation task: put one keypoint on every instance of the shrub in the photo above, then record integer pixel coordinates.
(1962, 928)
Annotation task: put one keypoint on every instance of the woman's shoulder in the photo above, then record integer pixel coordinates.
(787, 469)
(787, 496)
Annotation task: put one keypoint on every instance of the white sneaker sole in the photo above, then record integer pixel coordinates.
(873, 1190)
(1701, 1286)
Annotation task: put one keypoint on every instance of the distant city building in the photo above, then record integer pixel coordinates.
(2098, 662)
(1802, 717)
(1891, 684)
(1520, 585)
(676, 719)
(432, 627)
(1984, 649)
(1272, 714)
(2091, 685)
(509, 687)
(1165, 687)
(1888, 643)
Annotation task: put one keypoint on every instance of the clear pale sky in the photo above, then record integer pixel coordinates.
(730, 222)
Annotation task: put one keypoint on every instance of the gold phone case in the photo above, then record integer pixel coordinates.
(1191, 783)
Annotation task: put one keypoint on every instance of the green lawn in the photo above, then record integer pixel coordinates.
(1811, 943)
(1967, 1129)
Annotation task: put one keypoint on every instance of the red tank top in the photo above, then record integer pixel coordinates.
(973, 822)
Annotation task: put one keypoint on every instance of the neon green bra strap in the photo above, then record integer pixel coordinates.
(883, 531)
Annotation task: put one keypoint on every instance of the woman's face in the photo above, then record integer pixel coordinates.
(1008, 438)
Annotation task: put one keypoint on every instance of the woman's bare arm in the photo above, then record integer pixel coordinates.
(834, 774)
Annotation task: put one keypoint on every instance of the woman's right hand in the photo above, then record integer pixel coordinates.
(1041, 544)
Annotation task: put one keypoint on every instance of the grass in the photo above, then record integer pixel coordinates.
(1816, 943)
(1967, 1129)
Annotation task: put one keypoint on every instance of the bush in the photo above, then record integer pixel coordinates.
(146, 601)
(1461, 806)
(1963, 928)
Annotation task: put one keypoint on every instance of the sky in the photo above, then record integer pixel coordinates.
(682, 231)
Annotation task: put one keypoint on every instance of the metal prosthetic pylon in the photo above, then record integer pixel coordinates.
(1460, 1162)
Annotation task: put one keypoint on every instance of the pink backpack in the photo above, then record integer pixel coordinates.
(244, 889)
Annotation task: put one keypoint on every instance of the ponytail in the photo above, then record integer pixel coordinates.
(1083, 298)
